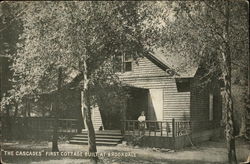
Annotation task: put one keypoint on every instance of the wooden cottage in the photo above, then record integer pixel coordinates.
(178, 110)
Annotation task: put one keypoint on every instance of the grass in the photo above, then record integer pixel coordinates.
(210, 152)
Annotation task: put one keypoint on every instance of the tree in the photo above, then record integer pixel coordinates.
(9, 31)
(210, 33)
(82, 38)
(78, 38)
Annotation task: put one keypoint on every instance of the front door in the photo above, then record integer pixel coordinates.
(155, 104)
(137, 103)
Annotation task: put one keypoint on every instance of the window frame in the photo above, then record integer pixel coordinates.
(211, 107)
(125, 61)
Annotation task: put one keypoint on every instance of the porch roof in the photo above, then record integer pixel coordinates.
(133, 87)
(173, 62)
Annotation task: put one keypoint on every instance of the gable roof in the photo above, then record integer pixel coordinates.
(173, 64)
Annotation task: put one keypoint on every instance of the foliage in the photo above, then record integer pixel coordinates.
(193, 31)
(10, 28)
(9, 31)
(211, 34)
(62, 34)
(67, 34)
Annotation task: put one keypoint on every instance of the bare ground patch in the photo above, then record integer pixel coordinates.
(213, 152)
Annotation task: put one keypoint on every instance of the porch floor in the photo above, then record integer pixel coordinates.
(103, 131)
(149, 133)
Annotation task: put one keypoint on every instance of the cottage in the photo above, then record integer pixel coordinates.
(177, 109)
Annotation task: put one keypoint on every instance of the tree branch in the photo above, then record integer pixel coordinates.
(78, 78)
(211, 7)
(13, 19)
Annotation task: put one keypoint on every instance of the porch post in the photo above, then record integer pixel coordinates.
(173, 132)
(123, 127)
(123, 122)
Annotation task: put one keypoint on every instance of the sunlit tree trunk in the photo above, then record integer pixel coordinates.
(86, 112)
(247, 110)
(227, 69)
(57, 113)
(229, 131)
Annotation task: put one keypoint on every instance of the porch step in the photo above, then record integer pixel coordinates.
(97, 139)
(103, 132)
(105, 137)
(97, 143)
(99, 136)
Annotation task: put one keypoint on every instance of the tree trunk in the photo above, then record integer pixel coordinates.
(227, 69)
(124, 118)
(229, 131)
(243, 123)
(55, 131)
(86, 112)
(8, 123)
(57, 113)
(16, 110)
(247, 109)
(29, 108)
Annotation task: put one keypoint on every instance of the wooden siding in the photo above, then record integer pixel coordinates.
(200, 106)
(175, 104)
(144, 68)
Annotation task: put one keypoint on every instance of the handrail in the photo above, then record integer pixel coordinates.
(45, 124)
(168, 128)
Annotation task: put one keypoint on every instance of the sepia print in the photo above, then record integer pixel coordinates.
(116, 82)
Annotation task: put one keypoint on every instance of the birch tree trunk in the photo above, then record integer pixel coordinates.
(16, 110)
(229, 131)
(226, 54)
(247, 110)
(57, 113)
(86, 112)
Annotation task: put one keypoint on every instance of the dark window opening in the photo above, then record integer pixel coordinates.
(183, 85)
(127, 66)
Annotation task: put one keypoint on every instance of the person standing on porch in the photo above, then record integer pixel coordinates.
(142, 119)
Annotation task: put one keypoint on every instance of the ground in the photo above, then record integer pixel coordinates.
(210, 152)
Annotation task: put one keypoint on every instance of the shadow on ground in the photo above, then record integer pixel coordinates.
(211, 152)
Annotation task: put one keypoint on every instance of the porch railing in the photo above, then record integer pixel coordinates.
(40, 124)
(170, 128)
(47, 124)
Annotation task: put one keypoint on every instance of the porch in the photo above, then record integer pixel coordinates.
(37, 127)
(170, 128)
(171, 134)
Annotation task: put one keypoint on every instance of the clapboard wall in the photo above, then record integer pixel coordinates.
(147, 75)
(200, 105)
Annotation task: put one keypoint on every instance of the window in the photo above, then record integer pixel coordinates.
(122, 63)
(127, 64)
(183, 85)
(211, 106)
